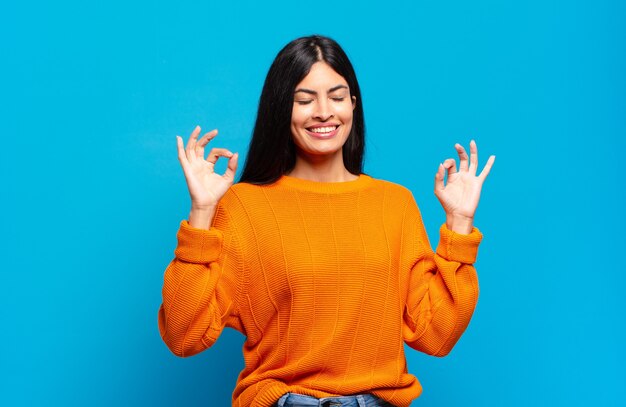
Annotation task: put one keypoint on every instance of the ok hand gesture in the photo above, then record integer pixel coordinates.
(206, 187)
(460, 196)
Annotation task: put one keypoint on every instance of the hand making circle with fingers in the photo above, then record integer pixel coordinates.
(206, 187)
(461, 192)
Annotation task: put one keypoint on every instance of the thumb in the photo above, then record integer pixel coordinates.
(229, 175)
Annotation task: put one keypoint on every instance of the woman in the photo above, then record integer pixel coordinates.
(326, 270)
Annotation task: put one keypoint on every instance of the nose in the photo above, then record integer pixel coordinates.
(323, 111)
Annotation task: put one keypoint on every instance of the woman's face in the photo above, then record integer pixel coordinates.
(321, 118)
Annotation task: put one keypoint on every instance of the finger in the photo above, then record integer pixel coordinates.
(229, 175)
(463, 163)
(182, 157)
(450, 166)
(439, 179)
(473, 167)
(216, 153)
(181, 149)
(203, 142)
(485, 171)
(191, 144)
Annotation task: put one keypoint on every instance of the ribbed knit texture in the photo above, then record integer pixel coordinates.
(326, 280)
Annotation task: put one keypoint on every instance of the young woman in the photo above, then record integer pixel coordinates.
(325, 270)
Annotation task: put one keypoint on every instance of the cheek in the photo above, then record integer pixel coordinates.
(346, 113)
(298, 115)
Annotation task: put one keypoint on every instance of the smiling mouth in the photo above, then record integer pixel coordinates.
(323, 130)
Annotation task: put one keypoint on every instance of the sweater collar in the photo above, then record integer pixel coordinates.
(324, 187)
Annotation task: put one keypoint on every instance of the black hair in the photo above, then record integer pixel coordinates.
(272, 152)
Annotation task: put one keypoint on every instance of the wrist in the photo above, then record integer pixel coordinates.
(460, 224)
(203, 208)
(201, 217)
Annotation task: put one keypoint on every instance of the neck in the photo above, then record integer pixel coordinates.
(322, 169)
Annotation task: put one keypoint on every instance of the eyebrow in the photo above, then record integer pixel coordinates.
(312, 92)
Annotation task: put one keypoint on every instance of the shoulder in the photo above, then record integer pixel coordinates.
(245, 188)
(240, 194)
(238, 206)
(392, 189)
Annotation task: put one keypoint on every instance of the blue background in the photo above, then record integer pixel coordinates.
(94, 94)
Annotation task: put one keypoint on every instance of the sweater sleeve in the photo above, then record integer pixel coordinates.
(201, 287)
(442, 285)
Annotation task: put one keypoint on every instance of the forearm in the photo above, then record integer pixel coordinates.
(436, 321)
(189, 311)
(190, 316)
(443, 293)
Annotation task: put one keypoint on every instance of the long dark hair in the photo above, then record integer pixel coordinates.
(272, 151)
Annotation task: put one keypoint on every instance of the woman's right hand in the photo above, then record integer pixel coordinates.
(206, 187)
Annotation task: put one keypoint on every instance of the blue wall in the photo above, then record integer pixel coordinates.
(93, 96)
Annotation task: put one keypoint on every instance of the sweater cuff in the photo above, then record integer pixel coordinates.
(458, 247)
(198, 245)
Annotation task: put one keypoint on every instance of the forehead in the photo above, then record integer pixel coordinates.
(322, 76)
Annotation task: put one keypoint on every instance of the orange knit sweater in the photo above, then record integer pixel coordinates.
(326, 281)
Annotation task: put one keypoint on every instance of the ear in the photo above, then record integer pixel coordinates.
(353, 102)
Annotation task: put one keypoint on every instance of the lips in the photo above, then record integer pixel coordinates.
(323, 131)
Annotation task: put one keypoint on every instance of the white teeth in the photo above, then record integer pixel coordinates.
(323, 129)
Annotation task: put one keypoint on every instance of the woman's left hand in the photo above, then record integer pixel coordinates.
(460, 196)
